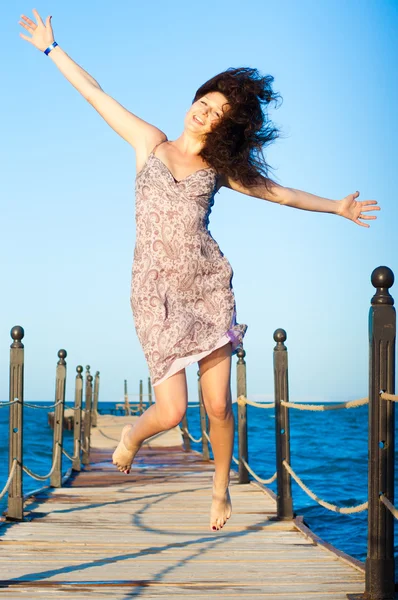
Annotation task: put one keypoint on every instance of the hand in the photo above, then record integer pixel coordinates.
(42, 34)
(349, 208)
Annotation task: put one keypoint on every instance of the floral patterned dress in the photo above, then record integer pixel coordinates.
(181, 291)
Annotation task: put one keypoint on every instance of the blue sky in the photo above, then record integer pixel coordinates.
(67, 184)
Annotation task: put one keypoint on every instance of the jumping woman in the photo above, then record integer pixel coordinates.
(182, 296)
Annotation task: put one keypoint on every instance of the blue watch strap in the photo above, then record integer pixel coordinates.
(48, 50)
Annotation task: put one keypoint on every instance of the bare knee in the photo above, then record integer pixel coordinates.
(171, 400)
(219, 408)
(170, 417)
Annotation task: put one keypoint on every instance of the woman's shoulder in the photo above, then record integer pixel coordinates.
(153, 138)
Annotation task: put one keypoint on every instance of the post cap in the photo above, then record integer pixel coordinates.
(382, 277)
(280, 335)
(17, 333)
(62, 353)
(79, 369)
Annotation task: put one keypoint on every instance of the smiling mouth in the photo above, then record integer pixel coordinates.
(197, 120)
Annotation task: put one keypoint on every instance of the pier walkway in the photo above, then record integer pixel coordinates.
(108, 535)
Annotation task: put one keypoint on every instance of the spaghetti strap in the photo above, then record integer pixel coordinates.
(158, 144)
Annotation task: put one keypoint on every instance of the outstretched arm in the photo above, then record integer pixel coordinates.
(134, 130)
(348, 207)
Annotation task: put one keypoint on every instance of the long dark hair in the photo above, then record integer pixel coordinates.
(234, 145)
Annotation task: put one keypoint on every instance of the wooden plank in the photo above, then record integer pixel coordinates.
(108, 535)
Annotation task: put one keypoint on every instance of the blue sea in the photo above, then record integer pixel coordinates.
(329, 452)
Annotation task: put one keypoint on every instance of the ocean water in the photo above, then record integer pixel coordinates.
(329, 452)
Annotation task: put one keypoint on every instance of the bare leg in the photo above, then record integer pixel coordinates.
(170, 406)
(215, 377)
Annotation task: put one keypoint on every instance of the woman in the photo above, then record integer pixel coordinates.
(182, 297)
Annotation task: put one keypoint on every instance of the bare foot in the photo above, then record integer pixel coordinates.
(221, 507)
(125, 451)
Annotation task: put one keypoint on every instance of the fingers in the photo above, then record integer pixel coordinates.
(362, 224)
(25, 37)
(29, 21)
(25, 26)
(38, 17)
(367, 217)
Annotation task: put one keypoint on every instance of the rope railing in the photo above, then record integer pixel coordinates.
(16, 406)
(321, 407)
(86, 445)
(242, 401)
(255, 476)
(389, 505)
(392, 397)
(333, 507)
(44, 407)
(76, 454)
(196, 441)
(3, 404)
(10, 478)
(44, 477)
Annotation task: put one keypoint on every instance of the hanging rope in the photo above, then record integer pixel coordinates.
(242, 401)
(86, 445)
(8, 403)
(10, 478)
(390, 506)
(344, 510)
(350, 404)
(44, 477)
(391, 397)
(256, 477)
(76, 455)
(191, 437)
(43, 407)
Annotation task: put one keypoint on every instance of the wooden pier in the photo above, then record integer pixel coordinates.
(109, 535)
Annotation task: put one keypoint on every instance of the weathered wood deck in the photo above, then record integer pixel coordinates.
(108, 535)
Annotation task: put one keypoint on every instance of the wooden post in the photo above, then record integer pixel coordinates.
(202, 411)
(60, 380)
(15, 491)
(184, 423)
(126, 400)
(242, 416)
(77, 429)
(95, 400)
(149, 392)
(140, 403)
(282, 429)
(87, 420)
(382, 330)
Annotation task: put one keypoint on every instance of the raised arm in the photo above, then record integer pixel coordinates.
(348, 207)
(131, 128)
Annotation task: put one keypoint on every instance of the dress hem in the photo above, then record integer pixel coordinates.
(233, 336)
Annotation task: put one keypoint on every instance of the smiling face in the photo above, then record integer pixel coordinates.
(206, 112)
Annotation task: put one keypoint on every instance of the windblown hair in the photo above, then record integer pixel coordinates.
(233, 146)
